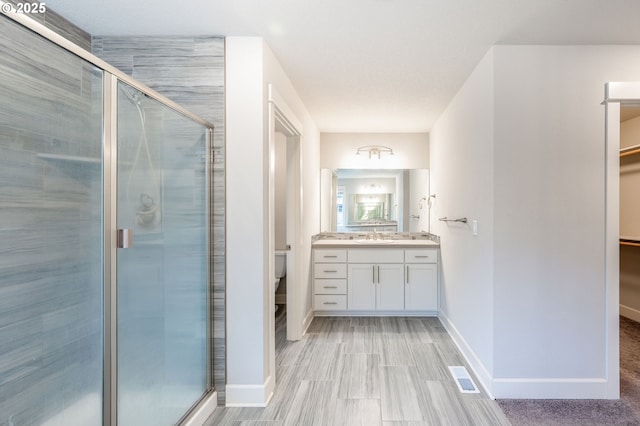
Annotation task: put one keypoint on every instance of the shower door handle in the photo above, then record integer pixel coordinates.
(125, 238)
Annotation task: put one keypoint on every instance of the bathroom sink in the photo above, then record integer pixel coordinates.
(363, 241)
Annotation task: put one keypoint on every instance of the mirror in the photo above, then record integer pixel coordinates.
(361, 200)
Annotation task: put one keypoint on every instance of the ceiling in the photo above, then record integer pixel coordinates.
(371, 65)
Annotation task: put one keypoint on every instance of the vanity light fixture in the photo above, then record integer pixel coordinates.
(374, 150)
(372, 189)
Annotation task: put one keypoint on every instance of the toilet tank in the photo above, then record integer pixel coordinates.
(281, 263)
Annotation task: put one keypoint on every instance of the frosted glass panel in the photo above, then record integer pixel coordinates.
(51, 338)
(162, 279)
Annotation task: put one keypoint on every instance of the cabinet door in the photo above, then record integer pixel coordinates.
(361, 287)
(390, 286)
(421, 287)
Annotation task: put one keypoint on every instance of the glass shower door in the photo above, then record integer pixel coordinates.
(162, 276)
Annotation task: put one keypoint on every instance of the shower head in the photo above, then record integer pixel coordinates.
(135, 97)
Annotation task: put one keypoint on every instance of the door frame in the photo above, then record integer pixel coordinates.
(282, 117)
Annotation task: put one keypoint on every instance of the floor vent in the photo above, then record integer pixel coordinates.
(463, 379)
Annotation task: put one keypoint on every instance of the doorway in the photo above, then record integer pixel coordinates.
(629, 254)
(285, 209)
(285, 218)
(630, 212)
(619, 98)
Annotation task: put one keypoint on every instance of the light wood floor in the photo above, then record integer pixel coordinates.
(367, 371)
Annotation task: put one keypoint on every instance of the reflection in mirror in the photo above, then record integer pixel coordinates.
(361, 200)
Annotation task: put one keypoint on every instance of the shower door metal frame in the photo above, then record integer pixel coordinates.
(111, 76)
(110, 156)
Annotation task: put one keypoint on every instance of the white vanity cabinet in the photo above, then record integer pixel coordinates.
(421, 280)
(375, 280)
(375, 286)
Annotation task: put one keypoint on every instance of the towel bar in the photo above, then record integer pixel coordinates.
(461, 219)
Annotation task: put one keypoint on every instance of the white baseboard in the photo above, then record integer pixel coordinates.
(526, 388)
(307, 322)
(483, 375)
(204, 410)
(376, 313)
(552, 388)
(249, 395)
(631, 313)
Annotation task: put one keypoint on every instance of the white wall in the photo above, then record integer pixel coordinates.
(547, 196)
(550, 178)
(250, 68)
(461, 168)
(549, 249)
(411, 150)
(630, 180)
(246, 203)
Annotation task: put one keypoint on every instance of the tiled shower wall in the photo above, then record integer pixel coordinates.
(189, 71)
(60, 25)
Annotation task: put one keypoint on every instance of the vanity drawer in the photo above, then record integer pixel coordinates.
(421, 256)
(330, 286)
(330, 270)
(376, 255)
(329, 256)
(330, 302)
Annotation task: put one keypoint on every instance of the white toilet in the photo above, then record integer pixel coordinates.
(280, 269)
(281, 266)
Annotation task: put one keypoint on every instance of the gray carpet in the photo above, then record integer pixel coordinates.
(630, 364)
(547, 412)
(625, 411)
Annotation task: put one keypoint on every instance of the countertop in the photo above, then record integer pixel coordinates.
(359, 243)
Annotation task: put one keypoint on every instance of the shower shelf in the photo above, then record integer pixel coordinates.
(70, 158)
